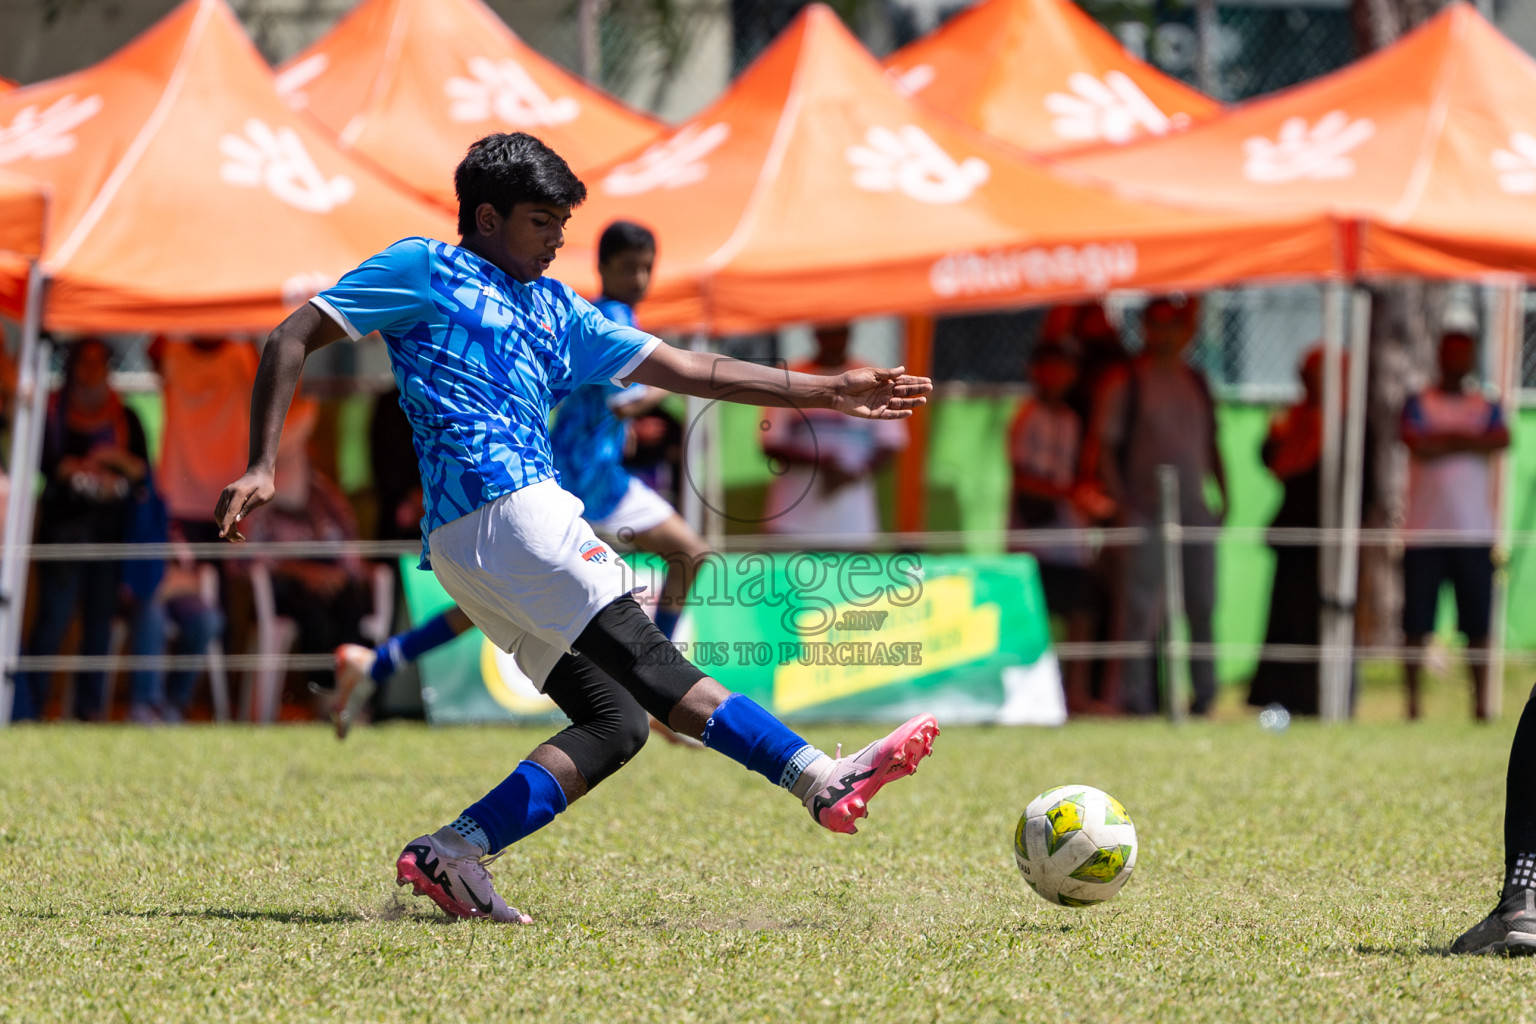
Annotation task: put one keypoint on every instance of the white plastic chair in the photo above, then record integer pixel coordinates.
(218, 678)
(275, 635)
(379, 623)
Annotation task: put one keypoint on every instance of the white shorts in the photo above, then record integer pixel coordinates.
(529, 571)
(638, 510)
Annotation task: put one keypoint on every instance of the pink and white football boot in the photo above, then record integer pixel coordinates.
(461, 886)
(837, 791)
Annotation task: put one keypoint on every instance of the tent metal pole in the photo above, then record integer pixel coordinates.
(1207, 25)
(912, 461)
(26, 422)
(714, 479)
(1334, 295)
(695, 459)
(1351, 485)
(1508, 338)
(32, 462)
(1175, 650)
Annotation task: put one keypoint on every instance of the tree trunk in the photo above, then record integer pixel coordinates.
(1405, 321)
(589, 17)
(1406, 318)
(1380, 22)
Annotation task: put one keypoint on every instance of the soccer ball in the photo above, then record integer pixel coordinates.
(1075, 845)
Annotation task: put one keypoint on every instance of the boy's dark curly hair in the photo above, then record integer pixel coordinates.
(508, 168)
(624, 236)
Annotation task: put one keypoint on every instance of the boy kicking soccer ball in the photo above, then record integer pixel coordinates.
(591, 427)
(482, 345)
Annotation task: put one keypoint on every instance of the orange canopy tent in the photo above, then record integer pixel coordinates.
(1428, 148)
(411, 83)
(813, 189)
(23, 207)
(186, 194)
(1043, 76)
(1429, 144)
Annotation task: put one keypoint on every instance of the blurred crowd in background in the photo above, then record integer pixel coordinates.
(1084, 447)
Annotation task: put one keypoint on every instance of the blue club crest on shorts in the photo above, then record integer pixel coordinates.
(593, 551)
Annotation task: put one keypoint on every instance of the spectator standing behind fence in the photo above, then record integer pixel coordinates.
(1156, 411)
(94, 457)
(1293, 453)
(1043, 445)
(206, 386)
(828, 486)
(1100, 354)
(1452, 433)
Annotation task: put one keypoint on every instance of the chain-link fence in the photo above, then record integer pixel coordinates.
(1254, 48)
(647, 50)
(674, 56)
(1528, 349)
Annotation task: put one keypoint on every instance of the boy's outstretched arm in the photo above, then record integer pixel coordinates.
(889, 394)
(282, 362)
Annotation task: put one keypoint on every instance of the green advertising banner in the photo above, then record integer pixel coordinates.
(814, 636)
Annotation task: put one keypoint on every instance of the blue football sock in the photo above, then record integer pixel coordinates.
(742, 731)
(523, 803)
(666, 620)
(402, 648)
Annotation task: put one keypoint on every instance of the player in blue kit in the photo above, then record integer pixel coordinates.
(482, 345)
(590, 431)
(588, 441)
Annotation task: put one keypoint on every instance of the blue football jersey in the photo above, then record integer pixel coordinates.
(480, 359)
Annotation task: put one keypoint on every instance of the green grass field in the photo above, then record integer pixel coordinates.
(236, 874)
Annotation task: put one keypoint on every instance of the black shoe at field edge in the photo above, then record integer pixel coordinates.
(1510, 929)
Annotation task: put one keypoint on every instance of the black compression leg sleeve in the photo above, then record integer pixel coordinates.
(607, 727)
(1520, 789)
(628, 646)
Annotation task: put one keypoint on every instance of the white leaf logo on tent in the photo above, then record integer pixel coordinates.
(278, 160)
(1113, 109)
(35, 134)
(1517, 165)
(1318, 152)
(292, 81)
(907, 160)
(913, 80)
(671, 163)
(501, 88)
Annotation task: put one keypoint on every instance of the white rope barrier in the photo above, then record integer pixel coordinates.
(171, 662)
(955, 540)
(892, 541)
(1107, 650)
(1296, 653)
(219, 551)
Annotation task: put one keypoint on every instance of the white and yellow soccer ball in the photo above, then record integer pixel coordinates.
(1075, 845)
